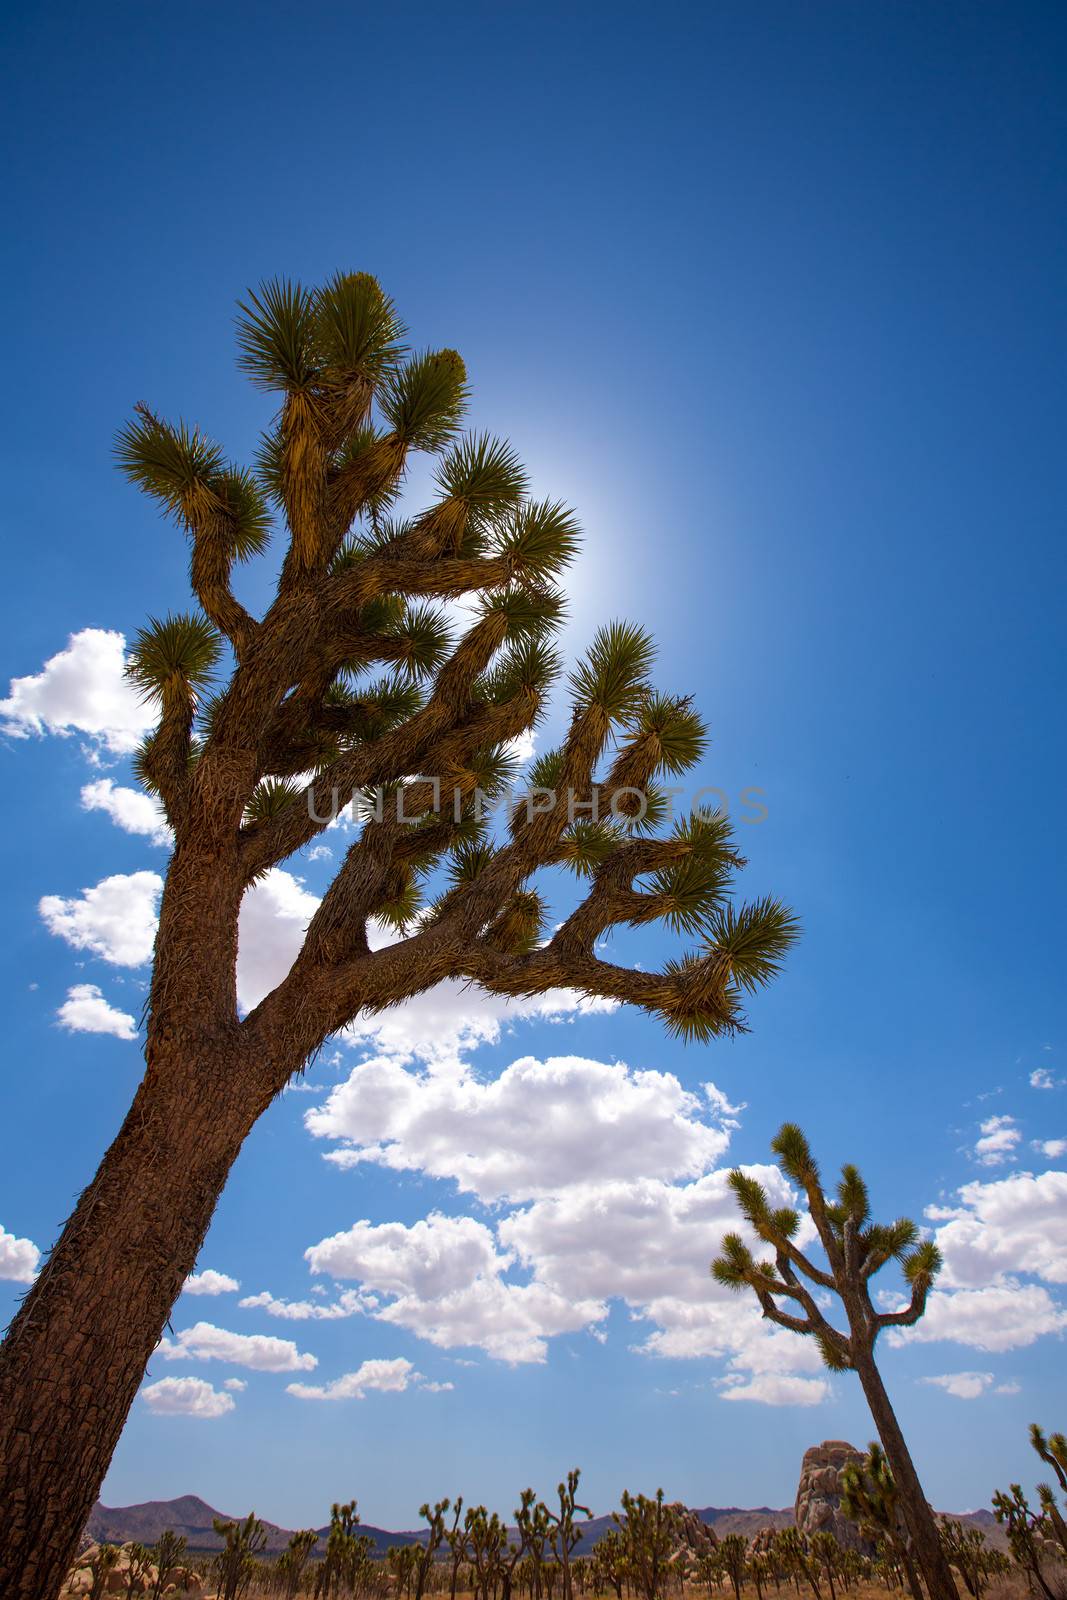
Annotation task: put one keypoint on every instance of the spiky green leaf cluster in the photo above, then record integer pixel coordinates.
(613, 674)
(178, 652)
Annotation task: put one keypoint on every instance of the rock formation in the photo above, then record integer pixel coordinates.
(818, 1502)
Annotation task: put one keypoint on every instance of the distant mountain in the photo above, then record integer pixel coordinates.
(193, 1517)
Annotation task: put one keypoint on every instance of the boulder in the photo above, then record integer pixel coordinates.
(818, 1502)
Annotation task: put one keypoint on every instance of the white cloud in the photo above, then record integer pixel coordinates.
(430, 1258)
(453, 1017)
(1041, 1078)
(210, 1282)
(86, 1011)
(1052, 1148)
(446, 1275)
(1008, 1388)
(538, 1127)
(18, 1257)
(320, 852)
(1006, 1316)
(454, 1280)
(130, 809)
(115, 919)
(386, 1377)
(963, 1385)
(778, 1389)
(349, 1304)
(274, 917)
(999, 1136)
(1005, 1226)
(236, 1385)
(186, 1397)
(81, 689)
(258, 1351)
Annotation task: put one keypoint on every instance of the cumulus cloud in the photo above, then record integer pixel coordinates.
(186, 1397)
(1005, 1226)
(1052, 1148)
(210, 1282)
(1041, 1078)
(18, 1257)
(963, 1385)
(445, 1277)
(81, 689)
(777, 1389)
(274, 917)
(386, 1377)
(532, 1131)
(258, 1351)
(1005, 1316)
(998, 1139)
(130, 809)
(236, 1385)
(115, 919)
(456, 1281)
(86, 1011)
(349, 1304)
(452, 1018)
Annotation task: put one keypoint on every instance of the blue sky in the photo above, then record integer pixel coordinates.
(773, 295)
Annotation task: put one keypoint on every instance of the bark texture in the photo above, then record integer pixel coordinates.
(915, 1509)
(77, 1350)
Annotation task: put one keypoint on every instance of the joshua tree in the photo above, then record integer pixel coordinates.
(167, 1552)
(609, 1562)
(435, 1523)
(103, 1562)
(293, 1560)
(235, 1565)
(648, 1529)
(138, 1562)
(827, 1552)
(458, 1545)
(1052, 1450)
(856, 1248)
(564, 1533)
(968, 1552)
(733, 1559)
(870, 1499)
(792, 1551)
(342, 1551)
(1026, 1534)
(249, 774)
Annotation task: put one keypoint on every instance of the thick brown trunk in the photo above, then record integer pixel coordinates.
(76, 1352)
(918, 1518)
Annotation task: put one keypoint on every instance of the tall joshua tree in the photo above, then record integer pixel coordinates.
(350, 681)
(855, 1249)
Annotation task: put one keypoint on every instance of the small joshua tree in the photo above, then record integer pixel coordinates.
(649, 1529)
(733, 1559)
(435, 1525)
(168, 1552)
(236, 1563)
(870, 1499)
(103, 1562)
(856, 1248)
(293, 1560)
(564, 1532)
(138, 1561)
(1026, 1532)
(351, 683)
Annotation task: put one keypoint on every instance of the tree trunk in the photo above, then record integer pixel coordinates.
(918, 1518)
(76, 1352)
